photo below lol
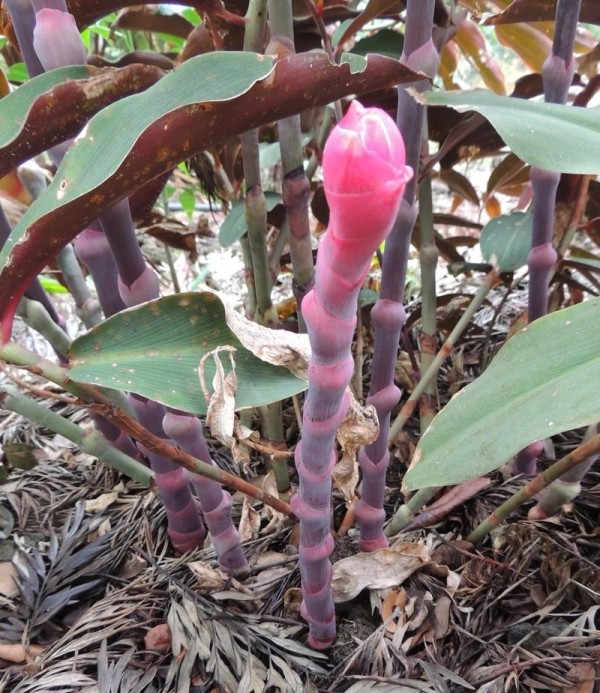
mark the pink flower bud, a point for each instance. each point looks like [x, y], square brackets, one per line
[364, 170]
[56, 39]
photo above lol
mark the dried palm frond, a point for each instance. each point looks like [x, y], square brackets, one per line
[48, 582]
[243, 653]
[119, 677]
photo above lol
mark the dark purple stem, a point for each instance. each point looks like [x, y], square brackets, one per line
[91, 247]
[215, 501]
[557, 74]
[22, 15]
[388, 313]
[186, 530]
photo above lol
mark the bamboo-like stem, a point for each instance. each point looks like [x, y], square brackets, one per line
[250, 303]
[388, 314]
[410, 405]
[23, 21]
[358, 224]
[428, 340]
[295, 184]
[88, 308]
[92, 248]
[272, 428]
[216, 503]
[255, 204]
[324, 128]
[557, 75]
[404, 514]
[92, 442]
[15, 354]
[578, 456]
[265, 312]
[36, 316]
[567, 487]
[34, 291]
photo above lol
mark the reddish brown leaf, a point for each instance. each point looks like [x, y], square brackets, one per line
[61, 112]
[146, 20]
[542, 11]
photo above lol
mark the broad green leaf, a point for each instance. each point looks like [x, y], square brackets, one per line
[542, 382]
[551, 136]
[155, 349]
[234, 226]
[15, 107]
[507, 238]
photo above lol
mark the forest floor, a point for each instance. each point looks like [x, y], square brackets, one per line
[93, 598]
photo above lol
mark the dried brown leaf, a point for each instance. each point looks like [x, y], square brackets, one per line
[16, 652]
[209, 579]
[158, 638]
[377, 570]
[8, 575]
[220, 415]
[249, 526]
[583, 675]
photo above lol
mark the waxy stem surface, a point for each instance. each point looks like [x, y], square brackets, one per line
[364, 174]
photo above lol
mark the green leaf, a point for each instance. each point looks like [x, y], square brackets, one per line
[551, 136]
[234, 226]
[542, 382]
[187, 200]
[385, 42]
[15, 106]
[17, 73]
[507, 238]
[154, 350]
[52, 286]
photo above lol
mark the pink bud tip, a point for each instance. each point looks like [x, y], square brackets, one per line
[56, 39]
[365, 152]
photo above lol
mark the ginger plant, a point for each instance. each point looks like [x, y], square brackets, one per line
[364, 173]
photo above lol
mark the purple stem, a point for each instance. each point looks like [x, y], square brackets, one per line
[215, 501]
[185, 528]
[35, 291]
[388, 313]
[557, 74]
[22, 15]
[91, 247]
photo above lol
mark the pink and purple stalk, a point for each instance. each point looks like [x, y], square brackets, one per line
[364, 175]
[388, 314]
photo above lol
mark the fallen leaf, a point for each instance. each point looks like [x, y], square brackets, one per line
[8, 573]
[359, 428]
[291, 603]
[277, 347]
[17, 653]
[220, 415]
[394, 600]
[158, 638]
[249, 526]
[99, 504]
[209, 579]
[376, 570]
[583, 675]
